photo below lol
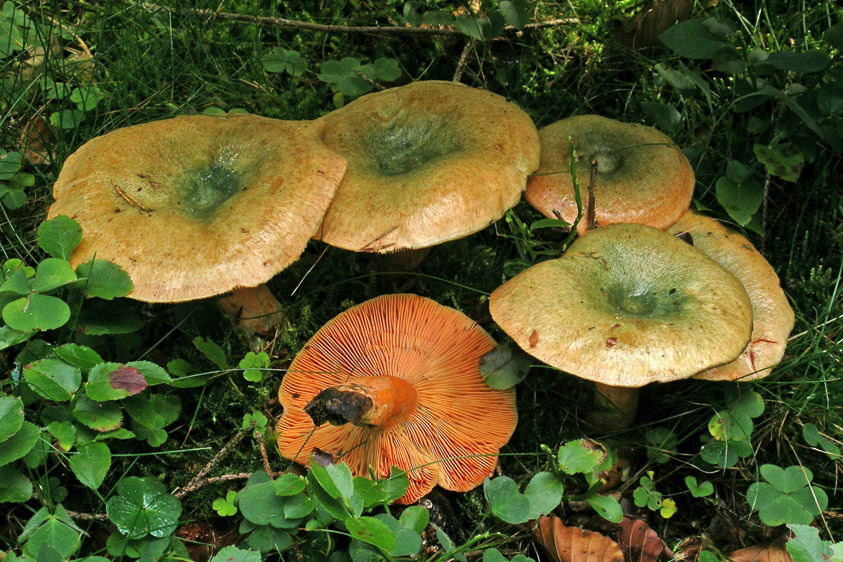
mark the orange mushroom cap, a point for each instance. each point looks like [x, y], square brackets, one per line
[198, 205]
[772, 316]
[449, 424]
[428, 162]
[642, 176]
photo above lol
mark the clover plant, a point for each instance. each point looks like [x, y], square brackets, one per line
[730, 429]
[786, 496]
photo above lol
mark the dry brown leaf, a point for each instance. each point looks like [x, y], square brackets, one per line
[640, 543]
[572, 544]
[36, 135]
[775, 552]
[642, 31]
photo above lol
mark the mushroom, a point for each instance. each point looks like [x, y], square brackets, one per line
[642, 176]
[427, 163]
[197, 206]
[398, 378]
[771, 313]
[625, 306]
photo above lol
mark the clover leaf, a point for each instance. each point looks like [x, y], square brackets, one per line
[143, 507]
[787, 496]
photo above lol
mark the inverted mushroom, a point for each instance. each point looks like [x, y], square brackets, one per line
[197, 206]
[398, 375]
[771, 313]
[427, 163]
[625, 306]
[642, 176]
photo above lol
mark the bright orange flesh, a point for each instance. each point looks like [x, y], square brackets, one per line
[451, 437]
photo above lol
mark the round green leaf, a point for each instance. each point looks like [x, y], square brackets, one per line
[53, 379]
[52, 273]
[371, 530]
[606, 507]
[80, 356]
[36, 312]
[415, 518]
[64, 433]
[143, 507]
[59, 236]
[104, 279]
[544, 493]
[505, 501]
[266, 538]
[504, 368]
[289, 484]
[260, 505]
[16, 283]
[100, 416]
[14, 486]
[11, 416]
[234, 554]
[91, 464]
[154, 374]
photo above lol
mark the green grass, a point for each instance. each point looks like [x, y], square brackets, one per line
[152, 64]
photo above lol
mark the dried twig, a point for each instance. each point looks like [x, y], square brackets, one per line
[374, 29]
[194, 482]
[469, 43]
[212, 480]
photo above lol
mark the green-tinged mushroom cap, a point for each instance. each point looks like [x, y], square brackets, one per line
[627, 305]
[196, 206]
[642, 176]
[427, 163]
[772, 315]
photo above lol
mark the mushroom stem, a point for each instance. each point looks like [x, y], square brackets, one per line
[379, 401]
[252, 310]
[614, 407]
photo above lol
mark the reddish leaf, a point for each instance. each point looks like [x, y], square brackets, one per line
[640, 543]
[572, 544]
[127, 379]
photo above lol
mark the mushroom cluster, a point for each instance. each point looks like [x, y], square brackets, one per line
[629, 304]
[197, 206]
[218, 205]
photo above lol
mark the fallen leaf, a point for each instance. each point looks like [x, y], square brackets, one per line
[572, 544]
[643, 29]
[36, 135]
[775, 552]
[640, 543]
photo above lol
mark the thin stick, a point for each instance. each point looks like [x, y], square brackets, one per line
[212, 480]
[469, 43]
[214, 461]
[371, 82]
[376, 29]
[262, 447]
[590, 211]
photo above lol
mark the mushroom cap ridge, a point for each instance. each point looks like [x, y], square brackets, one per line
[626, 305]
[460, 423]
[427, 163]
[642, 176]
[198, 205]
[772, 315]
